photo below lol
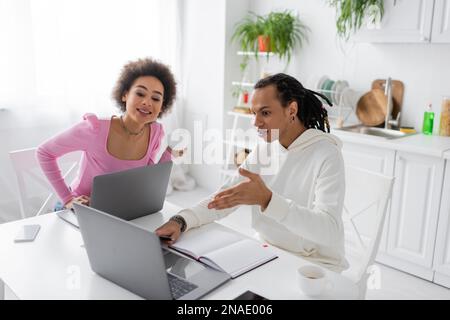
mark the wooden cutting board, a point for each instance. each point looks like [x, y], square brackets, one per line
[398, 89]
[371, 108]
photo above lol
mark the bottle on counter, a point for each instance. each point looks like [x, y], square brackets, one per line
[428, 119]
[444, 125]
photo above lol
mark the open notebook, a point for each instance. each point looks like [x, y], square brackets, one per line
[221, 249]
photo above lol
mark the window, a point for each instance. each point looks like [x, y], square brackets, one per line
[63, 54]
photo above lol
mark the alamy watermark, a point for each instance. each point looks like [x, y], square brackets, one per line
[211, 146]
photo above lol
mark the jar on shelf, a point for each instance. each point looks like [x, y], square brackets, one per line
[245, 97]
[444, 125]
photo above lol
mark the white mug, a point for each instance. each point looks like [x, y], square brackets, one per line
[312, 280]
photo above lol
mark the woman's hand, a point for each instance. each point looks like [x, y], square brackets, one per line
[81, 200]
[170, 229]
[253, 191]
[177, 153]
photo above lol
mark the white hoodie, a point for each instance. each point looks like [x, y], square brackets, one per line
[308, 185]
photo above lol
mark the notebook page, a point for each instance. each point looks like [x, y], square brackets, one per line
[240, 257]
[199, 242]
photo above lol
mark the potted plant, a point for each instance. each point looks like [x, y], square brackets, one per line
[350, 14]
[247, 31]
[284, 31]
[277, 32]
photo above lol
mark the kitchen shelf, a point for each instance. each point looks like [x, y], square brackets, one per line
[235, 141]
[239, 114]
[251, 53]
[243, 84]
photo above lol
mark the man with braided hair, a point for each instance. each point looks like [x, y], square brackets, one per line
[298, 205]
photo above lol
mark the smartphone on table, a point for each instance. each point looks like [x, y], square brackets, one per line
[27, 233]
[250, 295]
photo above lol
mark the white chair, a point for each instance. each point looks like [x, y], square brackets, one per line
[26, 166]
[366, 200]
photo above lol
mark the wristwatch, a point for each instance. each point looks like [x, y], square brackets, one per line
[180, 220]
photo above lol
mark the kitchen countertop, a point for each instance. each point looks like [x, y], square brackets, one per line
[433, 145]
[447, 155]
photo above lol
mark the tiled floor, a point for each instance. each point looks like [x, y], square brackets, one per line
[393, 284]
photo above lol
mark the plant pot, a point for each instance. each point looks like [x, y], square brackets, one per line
[264, 43]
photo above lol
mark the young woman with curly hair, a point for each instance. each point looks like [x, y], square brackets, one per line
[144, 91]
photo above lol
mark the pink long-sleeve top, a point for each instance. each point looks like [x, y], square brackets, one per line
[90, 136]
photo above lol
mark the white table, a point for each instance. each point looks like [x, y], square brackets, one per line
[55, 265]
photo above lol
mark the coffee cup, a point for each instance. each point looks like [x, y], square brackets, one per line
[312, 280]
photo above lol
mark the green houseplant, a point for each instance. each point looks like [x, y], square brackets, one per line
[283, 31]
[277, 32]
[247, 31]
[351, 14]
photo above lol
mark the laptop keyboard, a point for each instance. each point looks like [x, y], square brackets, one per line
[179, 287]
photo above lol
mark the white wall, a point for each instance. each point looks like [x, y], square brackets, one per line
[210, 64]
[203, 74]
[424, 68]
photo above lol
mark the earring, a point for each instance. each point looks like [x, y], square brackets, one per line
[292, 119]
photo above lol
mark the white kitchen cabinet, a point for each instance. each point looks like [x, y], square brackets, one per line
[403, 21]
[441, 22]
[414, 213]
[416, 234]
[374, 159]
[441, 263]
[364, 156]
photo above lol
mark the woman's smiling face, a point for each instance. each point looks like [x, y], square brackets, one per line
[144, 99]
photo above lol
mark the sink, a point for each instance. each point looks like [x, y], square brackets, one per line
[373, 131]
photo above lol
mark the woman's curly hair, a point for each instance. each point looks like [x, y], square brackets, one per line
[142, 68]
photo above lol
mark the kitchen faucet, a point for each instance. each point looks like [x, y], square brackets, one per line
[389, 123]
[388, 93]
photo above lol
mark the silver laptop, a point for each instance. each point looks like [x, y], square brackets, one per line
[132, 193]
[128, 194]
[132, 257]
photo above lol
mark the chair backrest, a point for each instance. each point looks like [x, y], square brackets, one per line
[366, 200]
[27, 168]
